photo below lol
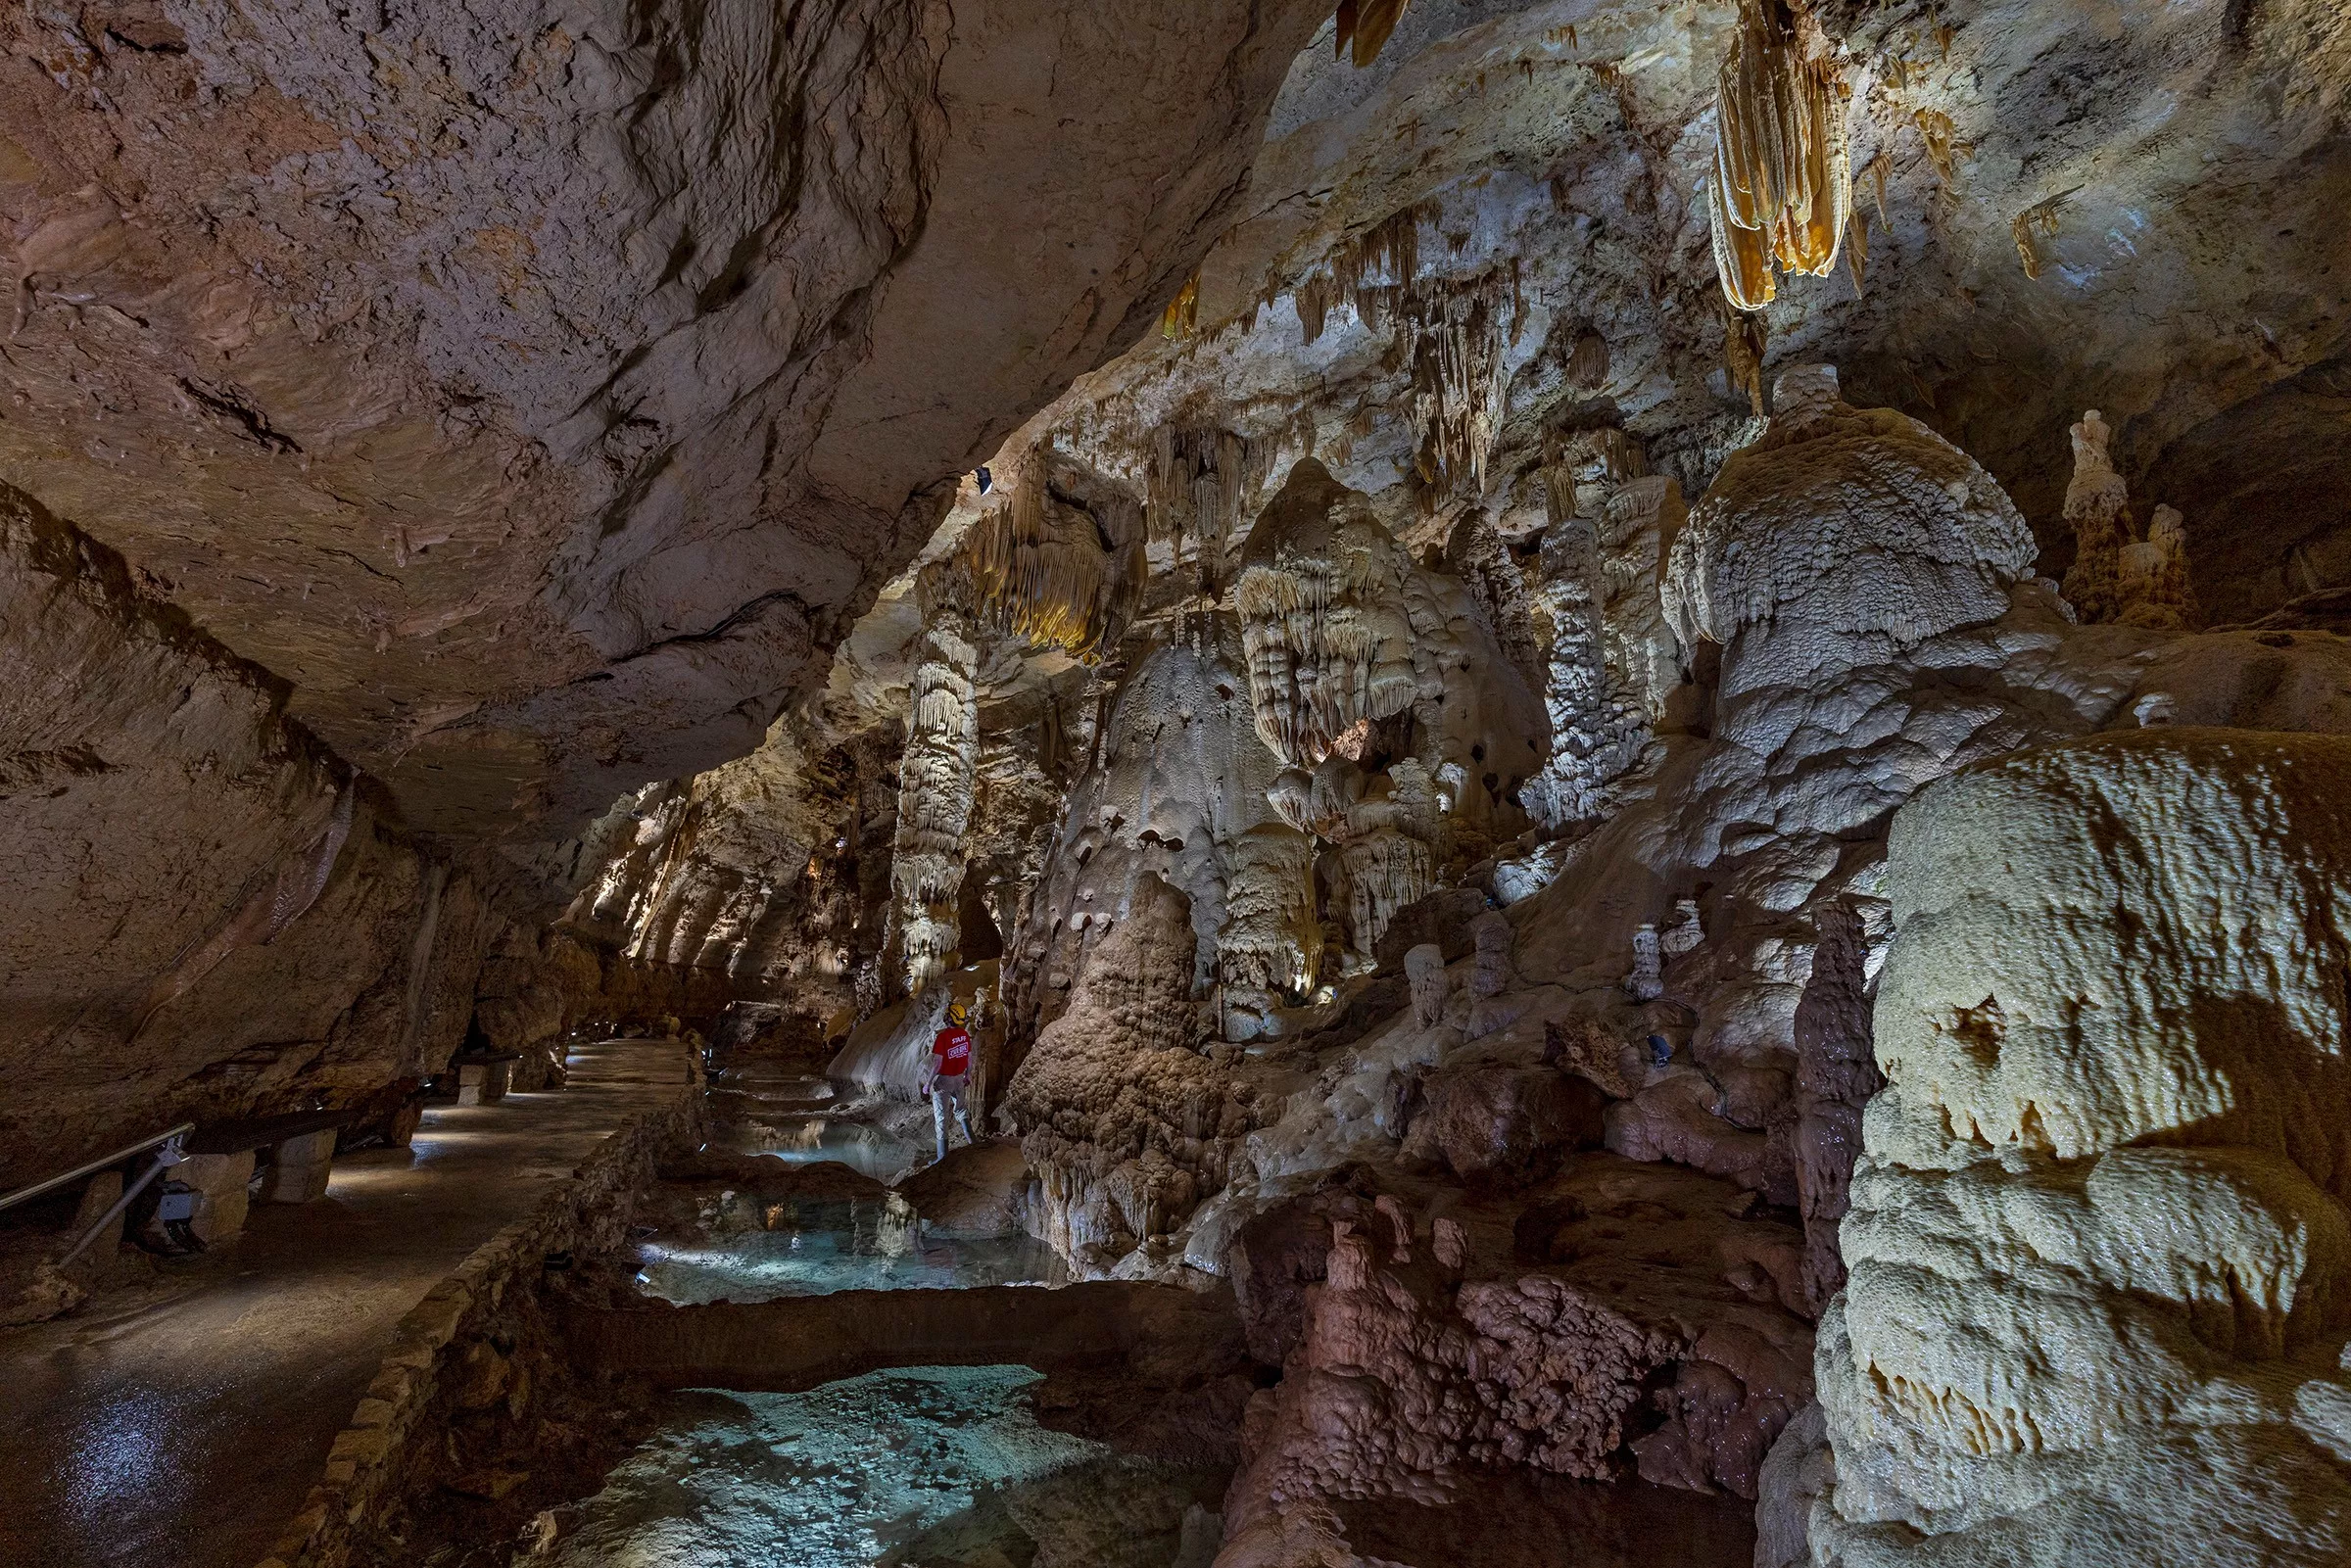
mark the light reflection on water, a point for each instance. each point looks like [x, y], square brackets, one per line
[921, 1465]
[746, 1251]
[800, 1119]
[805, 1140]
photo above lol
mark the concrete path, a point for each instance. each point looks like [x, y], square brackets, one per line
[182, 1424]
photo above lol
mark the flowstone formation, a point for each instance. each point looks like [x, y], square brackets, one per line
[2099, 1253]
[1125, 1124]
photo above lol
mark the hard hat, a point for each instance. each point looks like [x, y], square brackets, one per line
[958, 1013]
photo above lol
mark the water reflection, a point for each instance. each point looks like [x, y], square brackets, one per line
[800, 1119]
[924, 1466]
[804, 1140]
[748, 1249]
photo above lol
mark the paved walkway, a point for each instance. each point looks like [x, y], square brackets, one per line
[182, 1425]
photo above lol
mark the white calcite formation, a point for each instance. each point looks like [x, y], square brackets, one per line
[1321, 599]
[2101, 1267]
[1360, 658]
[1613, 662]
[1180, 792]
[1843, 538]
[935, 780]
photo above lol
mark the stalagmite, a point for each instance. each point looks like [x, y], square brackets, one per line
[1645, 981]
[1781, 185]
[1835, 1076]
[2152, 584]
[1127, 1125]
[1490, 975]
[2096, 504]
[1613, 659]
[1686, 935]
[2114, 576]
[1577, 690]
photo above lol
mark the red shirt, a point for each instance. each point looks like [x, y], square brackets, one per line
[951, 1053]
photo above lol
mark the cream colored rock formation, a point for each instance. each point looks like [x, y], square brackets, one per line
[2097, 1243]
[937, 777]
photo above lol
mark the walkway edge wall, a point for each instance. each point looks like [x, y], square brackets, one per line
[367, 1468]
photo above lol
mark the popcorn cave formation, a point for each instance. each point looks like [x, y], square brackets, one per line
[1244, 784]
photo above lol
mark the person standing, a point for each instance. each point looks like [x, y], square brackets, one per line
[949, 1074]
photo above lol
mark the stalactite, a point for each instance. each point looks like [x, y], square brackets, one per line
[1181, 317]
[1588, 362]
[1783, 179]
[1364, 271]
[1943, 142]
[1039, 570]
[1269, 947]
[1475, 554]
[1363, 27]
[1199, 485]
[1453, 334]
[1383, 871]
[1320, 596]
[2039, 220]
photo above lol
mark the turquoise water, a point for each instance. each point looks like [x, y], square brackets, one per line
[801, 1246]
[922, 1467]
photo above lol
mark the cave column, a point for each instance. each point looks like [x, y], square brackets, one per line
[937, 777]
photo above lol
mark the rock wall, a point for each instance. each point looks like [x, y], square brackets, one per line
[457, 423]
[210, 915]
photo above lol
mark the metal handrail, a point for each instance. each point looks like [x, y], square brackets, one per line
[100, 1164]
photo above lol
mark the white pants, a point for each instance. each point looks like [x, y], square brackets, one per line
[943, 1093]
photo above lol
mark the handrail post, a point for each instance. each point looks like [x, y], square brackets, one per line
[100, 1164]
[166, 1158]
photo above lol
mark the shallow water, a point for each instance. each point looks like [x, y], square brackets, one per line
[799, 1247]
[801, 1140]
[919, 1467]
[800, 1119]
